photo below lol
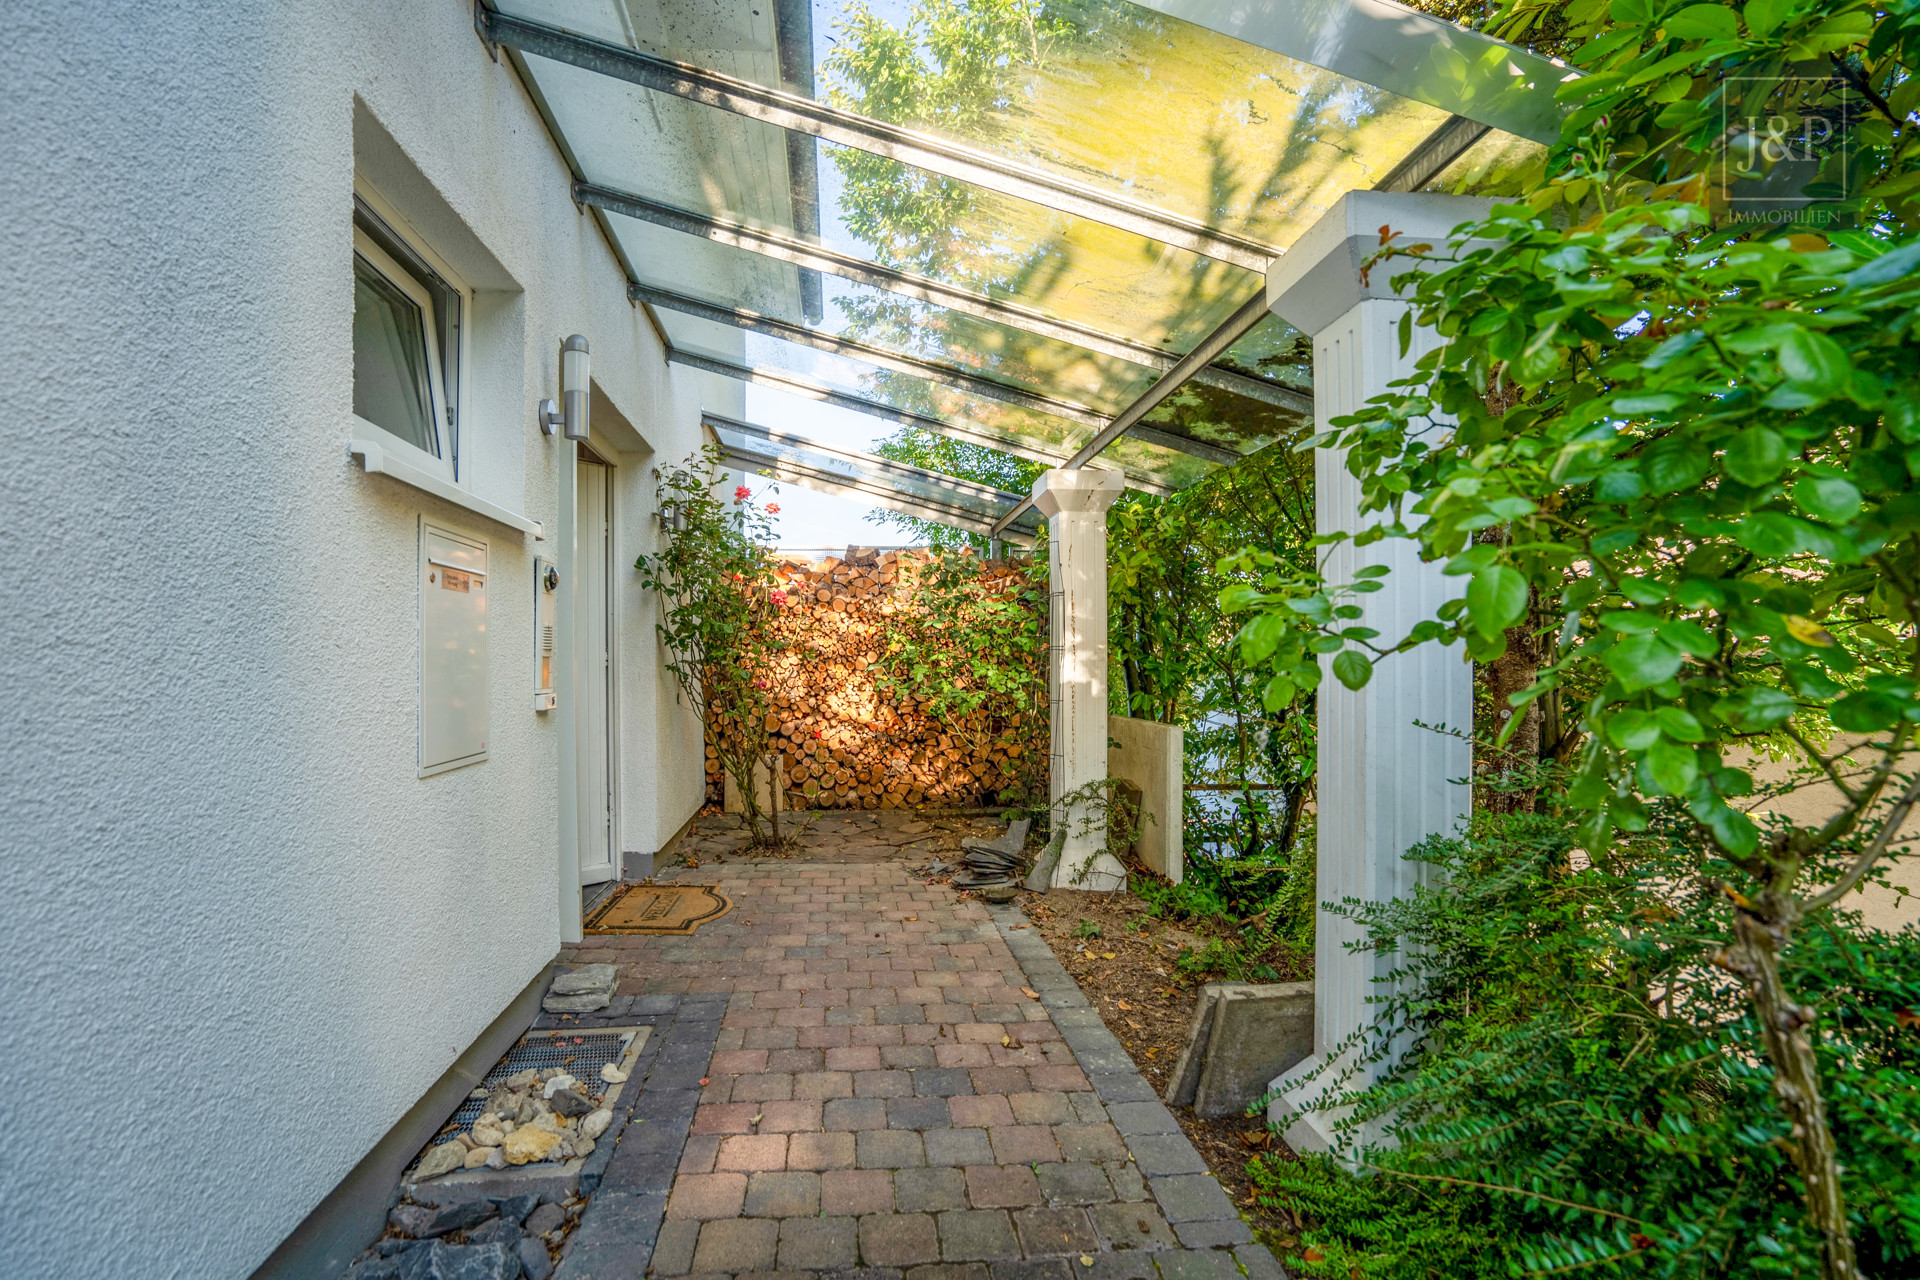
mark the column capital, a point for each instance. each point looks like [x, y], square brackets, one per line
[1317, 280]
[1090, 489]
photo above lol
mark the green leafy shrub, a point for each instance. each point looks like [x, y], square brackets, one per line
[1582, 1088]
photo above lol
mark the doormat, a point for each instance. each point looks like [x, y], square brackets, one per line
[651, 908]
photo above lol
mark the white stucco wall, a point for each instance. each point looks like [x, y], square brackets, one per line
[238, 936]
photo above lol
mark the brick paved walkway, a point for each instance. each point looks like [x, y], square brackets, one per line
[884, 1095]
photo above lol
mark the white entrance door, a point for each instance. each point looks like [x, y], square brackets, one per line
[598, 859]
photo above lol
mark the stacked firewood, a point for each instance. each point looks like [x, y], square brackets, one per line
[846, 740]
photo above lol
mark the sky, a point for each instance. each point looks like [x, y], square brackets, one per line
[807, 518]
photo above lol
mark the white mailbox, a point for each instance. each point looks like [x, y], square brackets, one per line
[453, 649]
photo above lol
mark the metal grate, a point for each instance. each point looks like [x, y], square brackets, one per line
[580, 1054]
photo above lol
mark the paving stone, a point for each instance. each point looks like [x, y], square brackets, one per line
[888, 1149]
[882, 1084]
[1128, 1185]
[1213, 1235]
[898, 1014]
[906, 1057]
[1203, 1264]
[817, 1151]
[790, 1117]
[1043, 1108]
[849, 1115]
[942, 1082]
[854, 1058]
[1023, 1144]
[918, 1113]
[821, 1086]
[948, 1271]
[673, 1248]
[929, 1190]
[1048, 1231]
[1132, 1265]
[898, 1239]
[1192, 1198]
[977, 1235]
[856, 1192]
[773, 1086]
[1161, 1154]
[1258, 1263]
[1009, 1080]
[980, 1111]
[1132, 1226]
[1034, 1269]
[752, 1153]
[1089, 1142]
[959, 1147]
[819, 1244]
[1002, 1186]
[708, 1195]
[1121, 1086]
[742, 1244]
[1087, 1108]
[1074, 1183]
[1132, 1118]
[783, 1195]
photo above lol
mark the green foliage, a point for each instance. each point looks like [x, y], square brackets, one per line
[1583, 1088]
[1695, 436]
[1086, 929]
[954, 458]
[967, 641]
[714, 577]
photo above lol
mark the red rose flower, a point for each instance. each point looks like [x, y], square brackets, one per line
[742, 494]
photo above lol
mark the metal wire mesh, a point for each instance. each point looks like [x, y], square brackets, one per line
[580, 1054]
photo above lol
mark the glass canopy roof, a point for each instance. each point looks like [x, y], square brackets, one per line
[1041, 224]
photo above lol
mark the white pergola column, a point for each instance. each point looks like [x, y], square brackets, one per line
[1075, 504]
[1383, 784]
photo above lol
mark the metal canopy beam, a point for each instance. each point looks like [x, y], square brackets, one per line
[867, 480]
[946, 375]
[923, 151]
[813, 257]
[792, 384]
[1236, 327]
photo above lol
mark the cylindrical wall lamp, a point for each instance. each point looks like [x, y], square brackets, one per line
[575, 385]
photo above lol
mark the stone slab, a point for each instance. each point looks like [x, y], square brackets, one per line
[1243, 1036]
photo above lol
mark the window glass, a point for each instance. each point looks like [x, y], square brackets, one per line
[392, 387]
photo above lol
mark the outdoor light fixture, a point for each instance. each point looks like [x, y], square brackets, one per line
[575, 374]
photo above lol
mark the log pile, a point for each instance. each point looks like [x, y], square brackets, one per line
[844, 741]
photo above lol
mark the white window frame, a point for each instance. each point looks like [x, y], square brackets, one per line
[440, 465]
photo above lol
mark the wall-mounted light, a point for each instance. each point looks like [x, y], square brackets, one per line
[575, 385]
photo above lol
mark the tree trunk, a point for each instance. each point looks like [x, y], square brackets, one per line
[1760, 934]
[1512, 671]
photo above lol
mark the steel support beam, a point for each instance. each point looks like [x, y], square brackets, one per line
[922, 150]
[792, 384]
[1436, 151]
[1235, 327]
[813, 257]
[868, 479]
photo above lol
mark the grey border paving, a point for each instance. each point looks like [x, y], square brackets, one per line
[631, 1169]
[1218, 1243]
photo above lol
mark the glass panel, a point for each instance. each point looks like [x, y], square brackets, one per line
[935, 497]
[390, 387]
[1107, 93]
[995, 420]
[735, 278]
[710, 162]
[1499, 164]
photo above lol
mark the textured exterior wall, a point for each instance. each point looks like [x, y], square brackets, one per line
[228, 908]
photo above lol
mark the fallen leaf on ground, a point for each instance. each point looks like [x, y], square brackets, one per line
[703, 1080]
[1029, 993]
[1005, 1041]
[1123, 1004]
[762, 1116]
[1106, 955]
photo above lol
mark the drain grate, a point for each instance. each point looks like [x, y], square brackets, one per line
[580, 1054]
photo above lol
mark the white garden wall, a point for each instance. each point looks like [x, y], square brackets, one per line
[238, 937]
